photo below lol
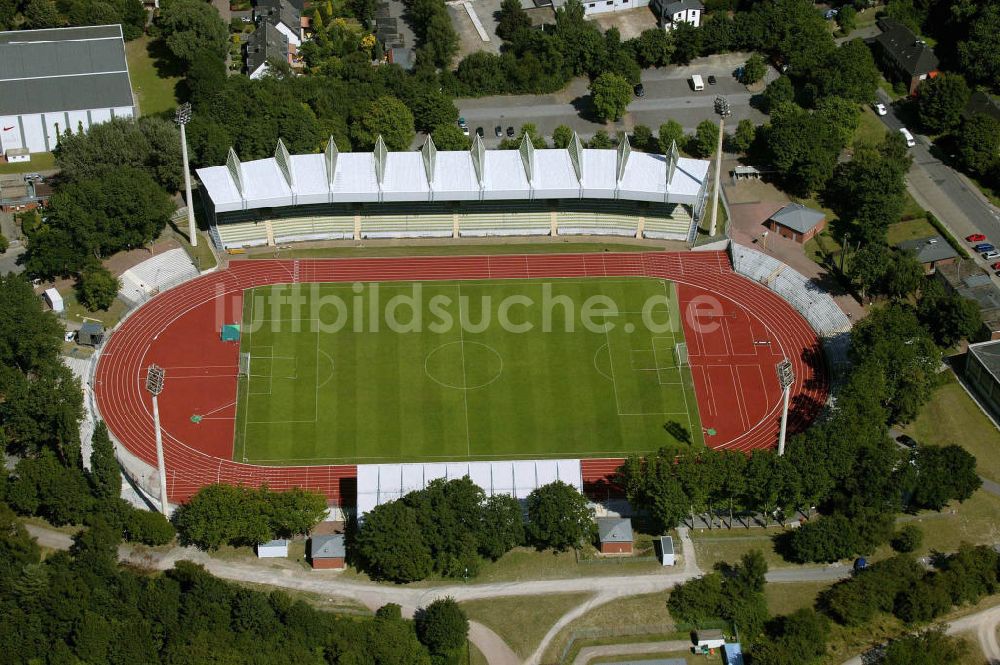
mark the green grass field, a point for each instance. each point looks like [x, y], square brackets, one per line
[328, 386]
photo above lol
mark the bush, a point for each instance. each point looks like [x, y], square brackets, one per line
[442, 626]
[148, 527]
[4, 243]
[907, 539]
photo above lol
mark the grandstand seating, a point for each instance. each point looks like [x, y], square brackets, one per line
[242, 234]
[406, 221]
[669, 222]
[500, 219]
[599, 218]
[313, 228]
[156, 274]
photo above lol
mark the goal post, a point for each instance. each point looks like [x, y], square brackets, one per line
[244, 364]
[681, 354]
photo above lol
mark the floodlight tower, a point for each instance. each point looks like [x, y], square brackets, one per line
[786, 377]
[154, 384]
[718, 183]
[182, 117]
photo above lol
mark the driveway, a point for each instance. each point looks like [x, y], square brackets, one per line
[668, 97]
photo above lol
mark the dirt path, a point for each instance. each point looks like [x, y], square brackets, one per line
[588, 654]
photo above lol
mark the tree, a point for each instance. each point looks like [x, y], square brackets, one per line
[29, 336]
[642, 138]
[754, 69]
[442, 626]
[744, 136]
[979, 54]
[777, 93]
[450, 137]
[4, 243]
[97, 288]
[148, 527]
[105, 476]
[907, 539]
[558, 517]
[390, 545]
[389, 118]
[600, 140]
[979, 145]
[562, 136]
[205, 77]
[512, 19]
[503, 526]
[431, 108]
[697, 600]
[904, 276]
[671, 132]
[653, 48]
[611, 94]
[847, 19]
[40, 14]
[804, 146]
[191, 27]
[943, 474]
[947, 315]
[941, 102]
[706, 137]
[848, 72]
[931, 647]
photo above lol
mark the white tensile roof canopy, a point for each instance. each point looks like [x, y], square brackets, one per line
[476, 174]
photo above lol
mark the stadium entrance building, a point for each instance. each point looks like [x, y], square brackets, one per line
[454, 193]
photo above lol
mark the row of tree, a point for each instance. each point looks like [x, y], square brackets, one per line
[82, 607]
[37, 14]
[451, 527]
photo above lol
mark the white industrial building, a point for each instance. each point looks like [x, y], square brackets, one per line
[460, 193]
[58, 79]
[381, 483]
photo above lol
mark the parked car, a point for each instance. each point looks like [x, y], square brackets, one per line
[879, 108]
[996, 266]
[462, 122]
[510, 132]
[639, 90]
[991, 255]
[465, 129]
[711, 79]
[976, 237]
[479, 132]
[69, 336]
[830, 13]
[908, 137]
[907, 441]
[247, 19]
[498, 130]
[983, 247]
[860, 564]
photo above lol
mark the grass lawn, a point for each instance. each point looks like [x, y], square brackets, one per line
[78, 313]
[446, 250]
[728, 545]
[787, 598]
[156, 91]
[521, 623]
[642, 615]
[952, 417]
[870, 130]
[530, 381]
[40, 161]
[823, 248]
[640, 657]
[910, 229]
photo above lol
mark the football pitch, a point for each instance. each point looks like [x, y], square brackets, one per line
[451, 371]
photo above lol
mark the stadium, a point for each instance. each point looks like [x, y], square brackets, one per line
[365, 378]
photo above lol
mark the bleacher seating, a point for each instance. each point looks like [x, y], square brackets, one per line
[242, 234]
[406, 221]
[155, 274]
[599, 218]
[501, 219]
[669, 222]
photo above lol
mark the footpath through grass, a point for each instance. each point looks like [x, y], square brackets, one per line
[521, 622]
[439, 371]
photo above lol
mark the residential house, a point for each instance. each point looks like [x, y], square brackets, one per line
[903, 56]
[930, 252]
[284, 15]
[614, 535]
[265, 43]
[673, 12]
[797, 222]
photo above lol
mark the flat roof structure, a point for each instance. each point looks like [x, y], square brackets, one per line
[437, 175]
[63, 69]
[328, 547]
[988, 353]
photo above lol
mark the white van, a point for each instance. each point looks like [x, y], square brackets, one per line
[910, 142]
[697, 83]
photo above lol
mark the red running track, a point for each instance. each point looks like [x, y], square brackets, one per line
[736, 331]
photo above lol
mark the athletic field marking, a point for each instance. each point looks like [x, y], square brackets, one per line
[246, 411]
[599, 370]
[464, 379]
[465, 393]
[333, 368]
[687, 407]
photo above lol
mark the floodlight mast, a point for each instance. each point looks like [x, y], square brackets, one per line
[786, 377]
[154, 384]
[182, 117]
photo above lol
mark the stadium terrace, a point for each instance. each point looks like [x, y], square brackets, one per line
[477, 192]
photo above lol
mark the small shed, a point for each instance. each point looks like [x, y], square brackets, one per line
[55, 301]
[91, 334]
[273, 549]
[711, 638]
[327, 552]
[797, 222]
[732, 653]
[667, 556]
[930, 252]
[18, 155]
[615, 535]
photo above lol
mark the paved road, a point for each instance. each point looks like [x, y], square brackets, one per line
[942, 190]
[668, 97]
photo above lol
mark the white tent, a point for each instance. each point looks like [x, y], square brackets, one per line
[55, 301]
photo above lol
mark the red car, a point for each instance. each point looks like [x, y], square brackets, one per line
[996, 266]
[976, 237]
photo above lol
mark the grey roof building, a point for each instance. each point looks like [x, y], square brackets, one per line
[285, 15]
[265, 42]
[614, 529]
[929, 250]
[798, 217]
[328, 547]
[899, 49]
[73, 77]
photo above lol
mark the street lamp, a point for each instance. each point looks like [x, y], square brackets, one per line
[154, 384]
[182, 117]
[786, 377]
